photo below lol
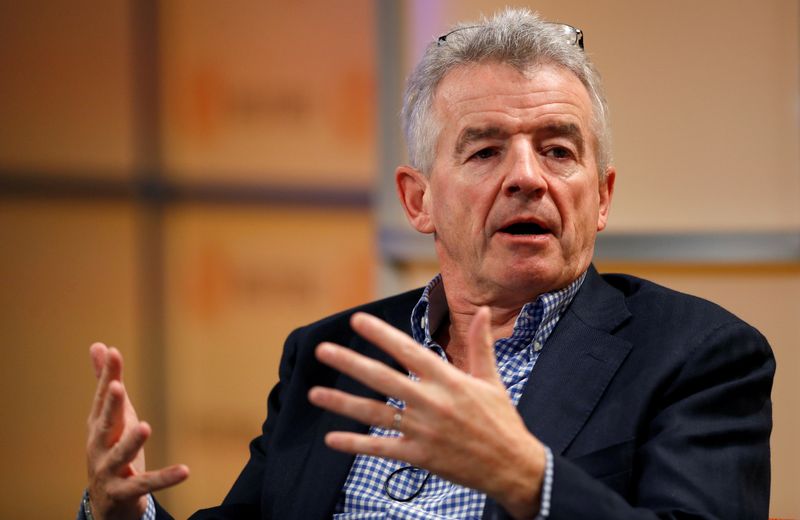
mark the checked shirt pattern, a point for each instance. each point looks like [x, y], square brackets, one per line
[364, 497]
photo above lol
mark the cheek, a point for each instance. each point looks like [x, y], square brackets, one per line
[465, 206]
[579, 211]
[449, 217]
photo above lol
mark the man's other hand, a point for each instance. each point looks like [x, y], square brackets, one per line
[118, 482]
[459, 425]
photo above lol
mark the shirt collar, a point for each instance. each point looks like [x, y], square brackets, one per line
[431, 309]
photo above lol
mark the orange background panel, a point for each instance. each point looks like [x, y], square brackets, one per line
[286, 88]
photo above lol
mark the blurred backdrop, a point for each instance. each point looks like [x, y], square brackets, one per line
[189, 180]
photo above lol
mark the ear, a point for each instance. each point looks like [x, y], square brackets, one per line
[413, 190]
[606, 192]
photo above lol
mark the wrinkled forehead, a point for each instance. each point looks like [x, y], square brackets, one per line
[486, 90]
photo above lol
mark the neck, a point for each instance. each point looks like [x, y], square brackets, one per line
[452, 334]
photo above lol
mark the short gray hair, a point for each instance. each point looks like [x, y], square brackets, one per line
[517, 37]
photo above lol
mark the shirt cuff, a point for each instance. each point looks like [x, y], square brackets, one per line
[547, 485]
[150, 511]
[86, 512]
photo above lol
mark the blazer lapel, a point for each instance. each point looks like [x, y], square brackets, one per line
[576, 365]
[578, 361]
[324, 478]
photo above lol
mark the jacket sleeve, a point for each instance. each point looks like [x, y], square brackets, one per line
[704, 452]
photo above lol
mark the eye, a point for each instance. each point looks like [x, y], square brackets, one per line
[484, 153]
[559, 152]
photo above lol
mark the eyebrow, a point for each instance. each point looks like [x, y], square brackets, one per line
[570, 131]
[472, 134]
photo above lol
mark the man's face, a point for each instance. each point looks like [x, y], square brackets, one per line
[513, 196]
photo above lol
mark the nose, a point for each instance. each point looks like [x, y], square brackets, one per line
[525, 175]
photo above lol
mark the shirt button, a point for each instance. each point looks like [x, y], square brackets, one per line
[424, 322]
[537, 346]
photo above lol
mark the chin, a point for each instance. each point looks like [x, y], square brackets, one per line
[534, 281]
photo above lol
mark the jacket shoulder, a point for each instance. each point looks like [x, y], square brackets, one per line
[395, 310]
[655, 307]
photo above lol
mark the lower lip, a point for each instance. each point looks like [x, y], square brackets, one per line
[532, 240]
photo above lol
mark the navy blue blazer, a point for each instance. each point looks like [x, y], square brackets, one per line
[655, 404]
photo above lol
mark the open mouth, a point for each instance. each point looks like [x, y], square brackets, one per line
[525, 228]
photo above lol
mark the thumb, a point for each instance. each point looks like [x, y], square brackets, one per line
[480, 347]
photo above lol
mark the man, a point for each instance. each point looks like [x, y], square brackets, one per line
[519, 383]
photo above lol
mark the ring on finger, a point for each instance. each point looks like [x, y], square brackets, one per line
[397, 420]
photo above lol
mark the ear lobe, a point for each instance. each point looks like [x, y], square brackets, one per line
[606, 191]
[412, 188]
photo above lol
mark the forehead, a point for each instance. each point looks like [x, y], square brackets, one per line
[498, 94]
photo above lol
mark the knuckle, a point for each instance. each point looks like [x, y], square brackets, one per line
[453, 378]
[445, 409]
[436, 437]
[113, 460]
[114, 493]
[383, 377]
[139, 486]
[376, 416]
[407, 349]
[424, 457]
[118, 456]
[101, 468]
[423, 430]
[377, 447]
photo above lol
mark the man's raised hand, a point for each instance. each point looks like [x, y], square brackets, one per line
[118, 482]
[460, 426]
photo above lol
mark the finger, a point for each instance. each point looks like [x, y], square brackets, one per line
[147, 482]
[399, 345]
[480, 347]
[363, 410]
[97, 353]
[125, 451]
[164, 478]
[111, 371]
[387, 447]
[370, 372]
[112, 419]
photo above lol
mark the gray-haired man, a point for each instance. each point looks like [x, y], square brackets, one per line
[519, 383]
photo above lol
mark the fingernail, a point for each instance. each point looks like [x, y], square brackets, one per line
[360, 317]
[326, 349]
[180, 471]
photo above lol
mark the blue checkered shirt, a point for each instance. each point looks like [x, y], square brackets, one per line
[149, 512]
[363, 495]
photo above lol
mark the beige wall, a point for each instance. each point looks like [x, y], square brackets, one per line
[264, 97]
[68, 274]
